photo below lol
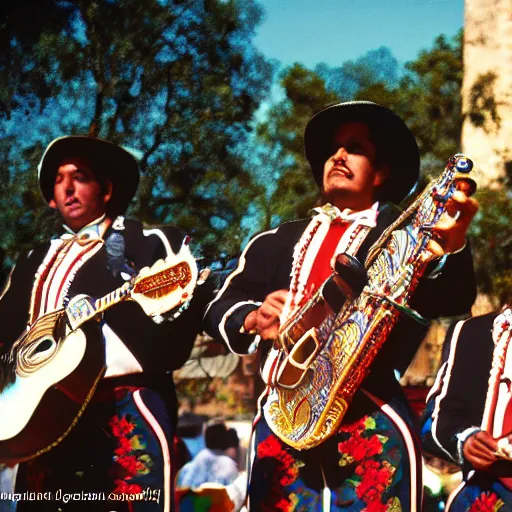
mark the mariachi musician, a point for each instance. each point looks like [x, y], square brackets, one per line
[471, 422]
[122, 443]
[364, 159]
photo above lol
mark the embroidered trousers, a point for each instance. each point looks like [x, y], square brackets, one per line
[480, 494]
[116, 459]
[373, 464]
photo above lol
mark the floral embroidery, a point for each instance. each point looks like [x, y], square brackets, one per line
[123, 487]
[130, 461]
[120, 427]
[278, 470]
[487, 502]
[372, 476]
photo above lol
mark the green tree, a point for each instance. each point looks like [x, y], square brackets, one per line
[294, 191]
[428, 97]
[176, 80]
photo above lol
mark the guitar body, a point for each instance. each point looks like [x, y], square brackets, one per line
[52, 374]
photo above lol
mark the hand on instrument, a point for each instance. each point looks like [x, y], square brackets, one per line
[450, 230]
[265, 320]
[480, 450]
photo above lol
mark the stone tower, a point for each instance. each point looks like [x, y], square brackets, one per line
[487, 88]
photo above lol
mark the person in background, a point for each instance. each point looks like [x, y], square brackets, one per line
[233, 445]
[211, 464]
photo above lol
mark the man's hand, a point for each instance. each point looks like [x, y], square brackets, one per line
[480, 450]
[265, 319]
[450, 231]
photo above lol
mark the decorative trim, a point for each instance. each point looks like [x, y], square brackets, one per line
[40, 276]
[160, 234]
[411, 449]
[494, 410]
[444, 390]
[239, 269]
[306, 250]
[160, 434]
[225, 317]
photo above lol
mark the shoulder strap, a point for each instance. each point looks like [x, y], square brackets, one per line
[115, 246]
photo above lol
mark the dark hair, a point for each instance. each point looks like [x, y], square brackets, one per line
[232, 439]
[215, 436]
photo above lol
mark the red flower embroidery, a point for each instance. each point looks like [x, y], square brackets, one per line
[124, 447]
[360, 448]
[279, 471]
[374, 483]
[124, 487]
[376, 506]
[283, 505]
[286, 472]
[131, 464]
[486, 502]
[270, 447]
[120, 427]
[375, 477]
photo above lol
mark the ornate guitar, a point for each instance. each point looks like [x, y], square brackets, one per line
[51, 372]
[319, 368]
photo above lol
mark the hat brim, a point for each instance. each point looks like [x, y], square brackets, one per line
[394, 141]
[107, 160]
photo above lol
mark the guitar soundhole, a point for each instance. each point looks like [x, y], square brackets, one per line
[43, 346]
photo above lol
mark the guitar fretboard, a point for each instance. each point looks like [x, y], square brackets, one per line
[83, 309]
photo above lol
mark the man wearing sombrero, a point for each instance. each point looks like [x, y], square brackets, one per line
[363, 158]
[121, 443]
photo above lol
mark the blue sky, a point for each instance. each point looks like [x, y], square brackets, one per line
[333, 31]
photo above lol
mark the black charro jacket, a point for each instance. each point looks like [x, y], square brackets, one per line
[457, 400]
[266, 265]
[158, 348]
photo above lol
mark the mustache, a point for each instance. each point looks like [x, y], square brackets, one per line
[340, 165]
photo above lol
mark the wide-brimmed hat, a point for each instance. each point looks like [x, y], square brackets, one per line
[107, 160]
[396, 145]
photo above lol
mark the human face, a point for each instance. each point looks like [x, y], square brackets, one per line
[77, 195]
[350, 173]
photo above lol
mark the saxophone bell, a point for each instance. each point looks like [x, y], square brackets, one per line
[299, 337]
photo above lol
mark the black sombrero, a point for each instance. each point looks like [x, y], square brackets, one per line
[395, 142]
[107, 160]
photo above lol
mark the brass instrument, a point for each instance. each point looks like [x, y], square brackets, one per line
[319, 369]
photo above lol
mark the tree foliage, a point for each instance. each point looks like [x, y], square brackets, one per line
[176, 81]
[426, 94]
[179, 82]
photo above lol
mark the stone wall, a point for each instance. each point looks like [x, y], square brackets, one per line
[487, 87]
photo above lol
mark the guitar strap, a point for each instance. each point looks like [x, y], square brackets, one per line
[115, 245]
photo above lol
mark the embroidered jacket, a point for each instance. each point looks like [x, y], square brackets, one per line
[138, 350]
[266, 264]
[457, 401]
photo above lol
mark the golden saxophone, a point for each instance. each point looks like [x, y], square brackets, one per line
[321, 366]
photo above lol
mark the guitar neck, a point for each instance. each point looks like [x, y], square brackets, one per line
[83, 308]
